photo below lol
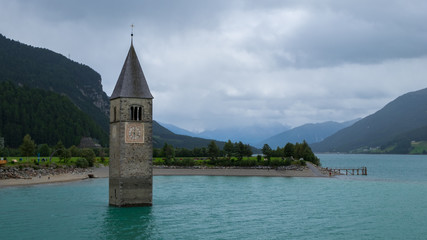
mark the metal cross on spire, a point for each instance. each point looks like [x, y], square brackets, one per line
[131, 34]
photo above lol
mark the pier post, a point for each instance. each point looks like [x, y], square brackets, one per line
[348, 171]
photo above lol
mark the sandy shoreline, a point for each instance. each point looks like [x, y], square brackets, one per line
[102, 172]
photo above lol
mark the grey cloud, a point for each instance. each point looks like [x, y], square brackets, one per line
[239, 63]
[340, 32]
[334, 32]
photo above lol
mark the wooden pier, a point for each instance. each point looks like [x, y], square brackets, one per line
[348, 171]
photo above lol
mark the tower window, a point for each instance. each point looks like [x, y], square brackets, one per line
[115, 114]
[136, 113]
[131, 113]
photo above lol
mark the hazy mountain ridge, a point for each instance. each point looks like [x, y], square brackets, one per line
[177, 130]
[162, 135]
[395, 125]
[248, 135]
[311, 133]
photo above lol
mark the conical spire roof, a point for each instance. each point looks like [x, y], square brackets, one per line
[131, 82]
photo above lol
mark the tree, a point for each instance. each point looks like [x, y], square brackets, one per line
[240, 150]
[65, 155]
[89, 155]
[82, 163]
[59, 148]
[183, 152]
[213, 150]
[228, 149]
[75, 151]
[28, 146]
[44, 150]
[278, 152]
[266, 150]
[303, 150]
[168, 151]
[289, 150]
[156, 152]
[247, 150]
[102, 154]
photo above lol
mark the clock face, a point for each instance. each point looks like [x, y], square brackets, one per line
[134, 133]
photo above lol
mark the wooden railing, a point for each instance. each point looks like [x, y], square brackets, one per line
[349, 171]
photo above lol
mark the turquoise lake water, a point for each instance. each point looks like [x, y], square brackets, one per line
[389, 203]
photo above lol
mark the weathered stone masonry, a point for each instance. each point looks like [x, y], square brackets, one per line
[131, 148]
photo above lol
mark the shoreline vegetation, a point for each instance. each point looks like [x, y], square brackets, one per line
[235, 159]
[29, 176]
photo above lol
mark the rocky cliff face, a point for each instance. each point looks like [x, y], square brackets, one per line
[97, 96]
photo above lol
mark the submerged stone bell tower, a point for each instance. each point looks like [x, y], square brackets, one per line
[131, 148]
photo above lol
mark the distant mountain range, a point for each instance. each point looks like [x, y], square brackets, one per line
[177, 130]
[162, 135]
[248, 135]
[311, 133]
[390, 130]
[258, 136]
[396, 128]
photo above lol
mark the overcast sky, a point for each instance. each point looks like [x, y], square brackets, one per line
[214, 64]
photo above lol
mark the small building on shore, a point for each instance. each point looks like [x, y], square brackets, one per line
[88, 142]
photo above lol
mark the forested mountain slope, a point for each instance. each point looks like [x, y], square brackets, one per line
[399, 122]
[41, 68]
[48, 117]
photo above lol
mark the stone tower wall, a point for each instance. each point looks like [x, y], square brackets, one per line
[130, 163]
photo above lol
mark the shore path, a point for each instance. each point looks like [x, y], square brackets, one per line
[315, 170]
[103, 172]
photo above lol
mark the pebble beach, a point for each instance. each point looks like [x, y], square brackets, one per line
[14, 176]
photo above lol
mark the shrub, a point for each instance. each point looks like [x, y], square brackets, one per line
[276, 162]
[259, 158]
[82, 163]
[248, 163]
[89, 155]
[188, 162]
[158, 161]
[169, 161]
[288, 162]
